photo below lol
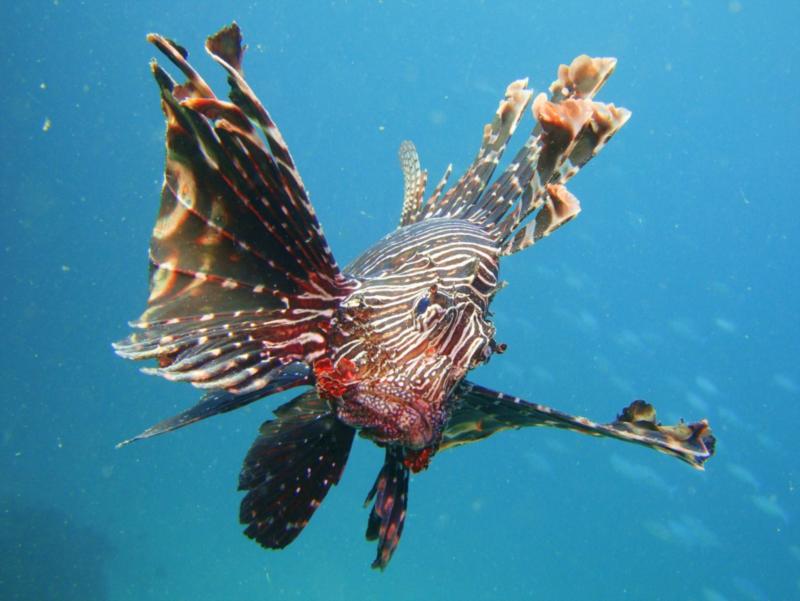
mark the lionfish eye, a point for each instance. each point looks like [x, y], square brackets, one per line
[422, 305]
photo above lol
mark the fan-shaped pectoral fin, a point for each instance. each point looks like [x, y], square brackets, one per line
[242, 280]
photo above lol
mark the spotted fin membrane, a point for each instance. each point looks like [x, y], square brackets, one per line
[289, 469]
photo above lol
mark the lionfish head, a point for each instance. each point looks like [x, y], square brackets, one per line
[399, 357]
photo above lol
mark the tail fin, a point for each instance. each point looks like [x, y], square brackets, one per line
[242, 280]
[388, 514]
[571, 130]
[290, 468]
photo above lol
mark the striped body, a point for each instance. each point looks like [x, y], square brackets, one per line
[414, 326]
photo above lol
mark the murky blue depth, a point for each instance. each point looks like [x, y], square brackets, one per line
[677, 284]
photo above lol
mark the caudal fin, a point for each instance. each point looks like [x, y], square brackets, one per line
[289, 469]
[242, 281]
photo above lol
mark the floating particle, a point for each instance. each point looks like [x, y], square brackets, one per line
[706, 385]
[743, 474]
[725, 325]
[770, 506]
[786, 383]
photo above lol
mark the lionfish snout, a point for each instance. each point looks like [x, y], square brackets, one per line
[398, 408]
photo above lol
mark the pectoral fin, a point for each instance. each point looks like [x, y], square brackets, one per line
[221, 401]
[480, 412]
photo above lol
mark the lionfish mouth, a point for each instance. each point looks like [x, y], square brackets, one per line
[424, 434]
[390, 415]
[390, 411]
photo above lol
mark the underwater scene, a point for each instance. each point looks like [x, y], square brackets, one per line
[433, 386]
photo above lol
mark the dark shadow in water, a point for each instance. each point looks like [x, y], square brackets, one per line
[45, 555]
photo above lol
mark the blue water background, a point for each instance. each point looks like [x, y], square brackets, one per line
[677, 283]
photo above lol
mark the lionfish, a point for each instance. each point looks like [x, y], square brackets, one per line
[246, 299]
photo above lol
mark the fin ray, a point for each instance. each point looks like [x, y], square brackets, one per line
[221, 401]
[481, 412]
[529, 200]
[414, 181]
